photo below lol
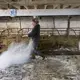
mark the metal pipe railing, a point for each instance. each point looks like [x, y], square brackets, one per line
[73, 31]
[51, 30]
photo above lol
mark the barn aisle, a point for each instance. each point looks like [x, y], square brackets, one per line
[52, 68]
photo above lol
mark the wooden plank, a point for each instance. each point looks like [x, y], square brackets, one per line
[65, 52]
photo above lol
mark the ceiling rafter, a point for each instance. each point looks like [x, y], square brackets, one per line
[39, 4]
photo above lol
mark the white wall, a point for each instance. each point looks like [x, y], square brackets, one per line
[26, 22]
[61, 22]
[15, 22]
[3, 25]
[45, 22]
[75, 22]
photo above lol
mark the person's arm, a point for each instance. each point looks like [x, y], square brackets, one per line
[32, 33]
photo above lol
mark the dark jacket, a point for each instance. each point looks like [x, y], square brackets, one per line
[35, 33]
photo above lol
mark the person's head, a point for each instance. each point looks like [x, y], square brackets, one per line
[35, 21]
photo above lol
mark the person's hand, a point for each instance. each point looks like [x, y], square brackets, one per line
[27, 35]
[29, 31]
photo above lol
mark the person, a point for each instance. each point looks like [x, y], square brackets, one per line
[35, 35]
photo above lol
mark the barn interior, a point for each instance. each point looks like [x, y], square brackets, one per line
[56, 17]
[59, 37]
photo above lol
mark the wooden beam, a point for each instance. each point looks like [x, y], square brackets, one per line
[26, 7]
[75, 6]
[45, 6]
[65, 52]
[67, 6]
[68, 26]
[55, 6]
[42, 12]
[35, 6]
[13, 4]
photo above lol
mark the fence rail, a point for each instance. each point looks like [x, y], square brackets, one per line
[43, 31]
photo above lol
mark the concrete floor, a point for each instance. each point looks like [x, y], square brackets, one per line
[52, 68]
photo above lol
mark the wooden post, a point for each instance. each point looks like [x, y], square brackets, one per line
[79, 45]
[7, 32]
[20, 22]
[18, 35]
[53, 25]
[68, 26]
